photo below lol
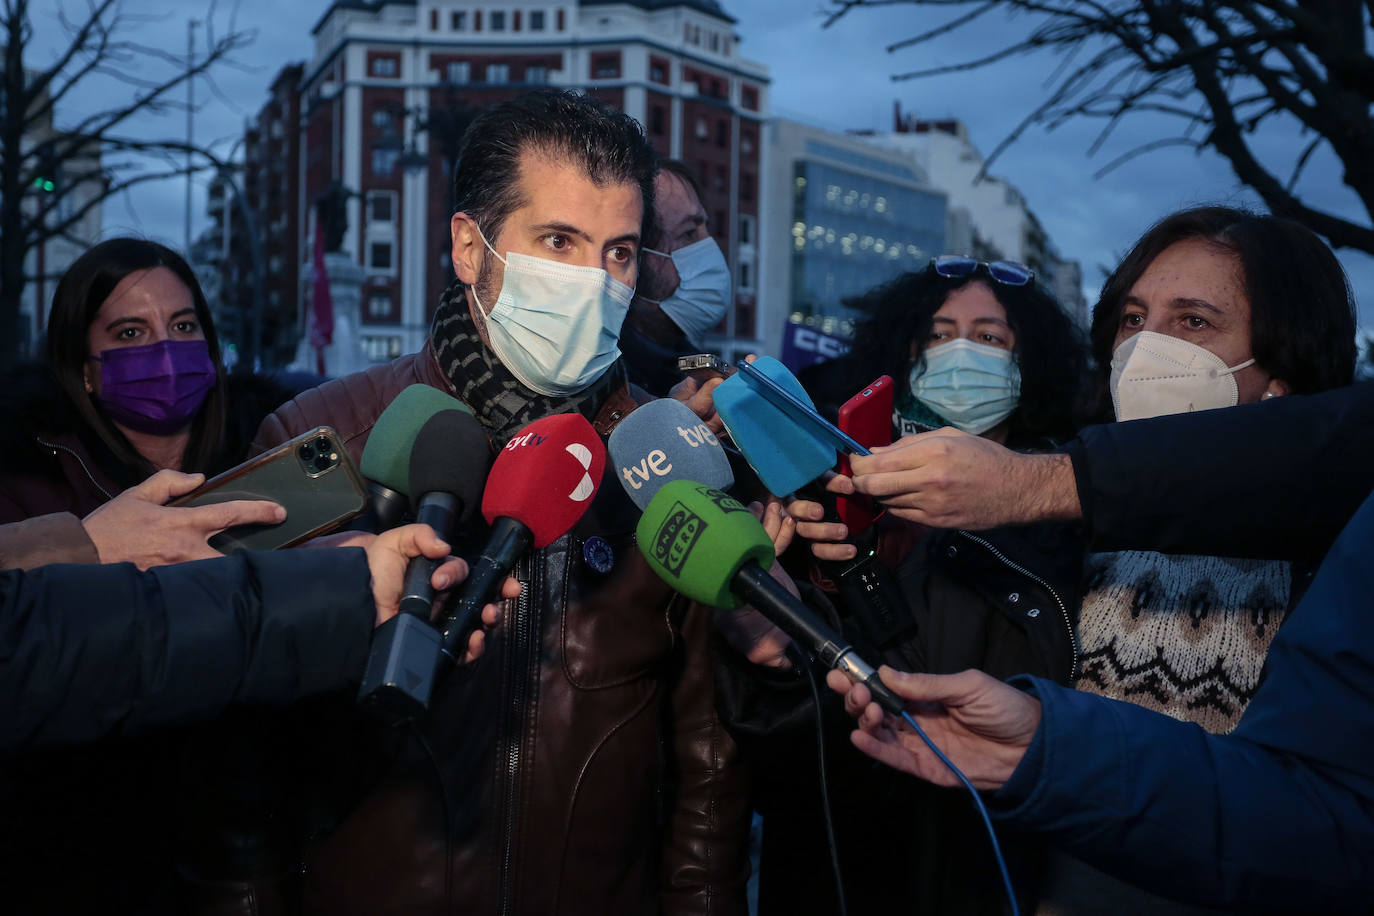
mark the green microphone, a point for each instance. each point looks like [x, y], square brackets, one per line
[709, 547]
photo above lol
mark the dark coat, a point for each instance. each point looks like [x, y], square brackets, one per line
[1003, 601]
[578, 766]
[99, 653]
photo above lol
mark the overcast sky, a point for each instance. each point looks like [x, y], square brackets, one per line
[838, 78]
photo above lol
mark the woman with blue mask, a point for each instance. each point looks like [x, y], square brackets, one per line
[985, 349]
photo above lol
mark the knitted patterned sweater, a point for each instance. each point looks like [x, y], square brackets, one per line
[1184, 635]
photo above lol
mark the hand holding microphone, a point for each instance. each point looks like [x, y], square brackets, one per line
[446, 468]
[540, 485]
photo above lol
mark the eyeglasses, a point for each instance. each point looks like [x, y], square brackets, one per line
[957, 267]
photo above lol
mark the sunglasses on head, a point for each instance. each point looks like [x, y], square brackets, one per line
[957, 267]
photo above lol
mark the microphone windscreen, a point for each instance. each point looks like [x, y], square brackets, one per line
[450, 456]
[386, 456]
[662, 441]
[696, 539]
[546, 476]
[785, 453]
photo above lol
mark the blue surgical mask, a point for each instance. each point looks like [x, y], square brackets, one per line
[555, 326]
[971, 385]
[703, 291]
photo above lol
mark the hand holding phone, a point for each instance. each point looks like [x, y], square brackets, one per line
[312, 476]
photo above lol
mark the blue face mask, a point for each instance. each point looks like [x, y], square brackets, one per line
[556, 326]
[971, 385]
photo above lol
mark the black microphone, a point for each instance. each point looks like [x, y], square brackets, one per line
[447, 469]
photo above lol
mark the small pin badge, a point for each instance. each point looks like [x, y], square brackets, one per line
[598, 554]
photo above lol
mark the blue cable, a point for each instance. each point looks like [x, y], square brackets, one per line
[977, 803]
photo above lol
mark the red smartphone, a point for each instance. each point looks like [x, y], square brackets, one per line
[867, 417]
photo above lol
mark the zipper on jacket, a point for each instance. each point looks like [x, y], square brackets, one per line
[522, 655]
[89, 476]
[1063, 611]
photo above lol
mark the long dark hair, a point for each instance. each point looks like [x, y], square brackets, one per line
[80, 293]
[1050, 350]
[1302, 315]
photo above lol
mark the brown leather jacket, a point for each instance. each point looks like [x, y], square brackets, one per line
[583, 765]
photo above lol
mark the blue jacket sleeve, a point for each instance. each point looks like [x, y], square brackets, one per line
[1274, 480]
[91, 651]
[1277, 815]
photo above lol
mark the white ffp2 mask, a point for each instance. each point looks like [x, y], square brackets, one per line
[1154, 375]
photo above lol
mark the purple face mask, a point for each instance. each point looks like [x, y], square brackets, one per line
[156, 388]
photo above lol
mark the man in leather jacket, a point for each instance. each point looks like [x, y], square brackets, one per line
[579, 766]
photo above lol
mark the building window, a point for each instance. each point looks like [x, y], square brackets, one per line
[515, 21]
[702, 130]
[498, 73]
[722, 133]
[560, 22]
[459, 71]
[536, 74]
[722, 179]
[381, 206]
[380, 348]
[657, 120]
[434, 20]
[498, 20]
[746, 229]
[458, 20]
[658, 70]
[746, 142]
[749, 97]
[379, 256]
[746, 187]
[606, 66]
[384, 161]
[381, 119]
[746, 277]
[715, 41]
[477, 20]
[387, 67]
[536, 20]
[379, 305]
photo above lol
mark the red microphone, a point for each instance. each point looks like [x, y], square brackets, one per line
[543, 481]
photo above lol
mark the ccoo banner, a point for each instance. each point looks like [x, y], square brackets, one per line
[804, 346]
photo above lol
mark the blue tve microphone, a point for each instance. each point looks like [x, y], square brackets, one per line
[662, 441]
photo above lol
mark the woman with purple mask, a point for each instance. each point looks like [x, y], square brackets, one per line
[133, 384]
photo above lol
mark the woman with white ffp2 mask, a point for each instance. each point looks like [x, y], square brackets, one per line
[1213, 307]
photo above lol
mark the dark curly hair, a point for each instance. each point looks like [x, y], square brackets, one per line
[1302, 314]
[1050, 349]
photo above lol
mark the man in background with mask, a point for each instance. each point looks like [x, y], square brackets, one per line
[540, 785]
[684, 283]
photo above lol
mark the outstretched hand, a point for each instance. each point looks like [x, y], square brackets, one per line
[136, 527]
[749, 632]
[950, 479]
[983, 725]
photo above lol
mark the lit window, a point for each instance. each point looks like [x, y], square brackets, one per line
[379, 305]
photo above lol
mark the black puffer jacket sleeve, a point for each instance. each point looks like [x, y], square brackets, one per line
[1274, 480]
[89, 651]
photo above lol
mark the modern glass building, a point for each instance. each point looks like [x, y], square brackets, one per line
[856, 216]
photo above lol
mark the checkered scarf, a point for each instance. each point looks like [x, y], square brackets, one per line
[503, 406]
